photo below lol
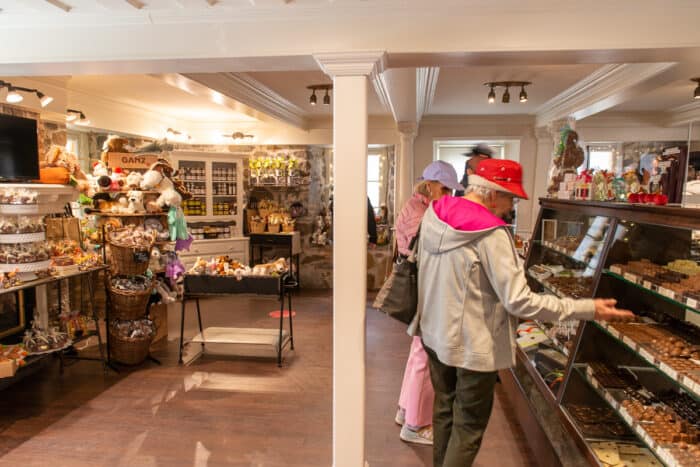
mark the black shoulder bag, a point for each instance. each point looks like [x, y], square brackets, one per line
[398, 296]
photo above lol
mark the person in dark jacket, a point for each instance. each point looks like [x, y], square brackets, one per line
[371, 224]
[479, 153]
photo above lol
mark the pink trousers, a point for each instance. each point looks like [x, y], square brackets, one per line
[417, 391]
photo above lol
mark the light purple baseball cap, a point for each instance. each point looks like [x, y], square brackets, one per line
[441, 171]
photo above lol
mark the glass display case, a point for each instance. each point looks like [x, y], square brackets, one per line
[620, 390]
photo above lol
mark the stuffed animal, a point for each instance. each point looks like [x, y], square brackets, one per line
[58, 157]
[135, 199]
[154, 263]
[133, 180]
[100, 177]
[113, 144]
[266, 269]
[160, 177]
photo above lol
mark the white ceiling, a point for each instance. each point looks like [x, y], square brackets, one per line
[461, 91]
[292, 86]
[666, 98]
[154, 95]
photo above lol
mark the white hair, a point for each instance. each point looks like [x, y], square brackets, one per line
[481, 191]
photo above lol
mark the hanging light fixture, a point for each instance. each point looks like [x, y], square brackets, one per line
[696, 93]
[492, 95]
[506, 95]
[313, 100]
[13, 95]
[523, 94]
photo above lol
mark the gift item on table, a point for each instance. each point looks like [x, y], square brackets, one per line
[37, 340]
[602, 185]
[23, 253]
[74, 324]
[155, 226]
[21, 224]
[18, 196]
[583, 184]
[132, 237]
[9, 279]
[11, 358]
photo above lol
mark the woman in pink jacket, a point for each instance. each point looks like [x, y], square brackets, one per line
[416, 400]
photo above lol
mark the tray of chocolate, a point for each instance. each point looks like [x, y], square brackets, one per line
[599, 422]
[672, 348]
[611, 377]
[575, 287]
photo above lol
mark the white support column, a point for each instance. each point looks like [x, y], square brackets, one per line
[350, 82]
[404, 164]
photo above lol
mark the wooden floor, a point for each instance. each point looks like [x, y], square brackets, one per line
[216, 412]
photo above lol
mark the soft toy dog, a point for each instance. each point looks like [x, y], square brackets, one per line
[133, 180]
[159, 177]
[276, 267]
[113, 143]
[135, 199]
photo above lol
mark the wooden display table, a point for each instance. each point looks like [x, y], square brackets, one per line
[197, 287]
[289, 240]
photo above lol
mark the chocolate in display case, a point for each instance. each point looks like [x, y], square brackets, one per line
[625, 388]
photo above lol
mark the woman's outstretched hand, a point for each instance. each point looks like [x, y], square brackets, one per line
[605, 311]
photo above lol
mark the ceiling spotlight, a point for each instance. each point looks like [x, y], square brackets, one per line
[506, 96]
[13, 96]
[313, 100]
[696, 93]
[492, 95]
[44, 100]
[236, 135]
[523, 94]
[77, 117]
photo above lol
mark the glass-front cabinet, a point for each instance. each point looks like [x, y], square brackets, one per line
[622, 393]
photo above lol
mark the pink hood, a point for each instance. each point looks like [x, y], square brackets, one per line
[465, 215]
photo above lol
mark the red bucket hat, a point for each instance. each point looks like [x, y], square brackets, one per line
[500, 175]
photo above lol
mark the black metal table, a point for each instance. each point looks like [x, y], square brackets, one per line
[203, 286]
[273, 240]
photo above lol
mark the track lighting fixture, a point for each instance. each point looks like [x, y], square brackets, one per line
[320, 87]
[506, 95]
[177, 135]
[76, 117]
[13, 96]
[237, 135]
[696, 93]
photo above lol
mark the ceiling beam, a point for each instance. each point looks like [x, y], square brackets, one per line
[607, 87]
[242, 93]
[683, 115]
[59, 4]
[426, 83]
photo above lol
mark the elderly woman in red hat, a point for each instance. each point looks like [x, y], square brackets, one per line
[471, 292]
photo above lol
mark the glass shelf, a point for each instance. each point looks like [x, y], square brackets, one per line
[688, 385]
[638, 429]
[665, 294]
[569, 254]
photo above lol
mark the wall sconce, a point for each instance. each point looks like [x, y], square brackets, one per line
[522, 97]
[13, 96]
[76, 117]
[237, 135]
[320, 87]
[696, 93]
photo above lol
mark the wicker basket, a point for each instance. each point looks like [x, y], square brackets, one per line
[264, 213]
[123, 259]
[288, 227]
[127, 304]
[273, 228]
[257, 226]
[129, 350]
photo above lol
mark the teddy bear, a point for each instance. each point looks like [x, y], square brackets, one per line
[57, 156]
[113, 143]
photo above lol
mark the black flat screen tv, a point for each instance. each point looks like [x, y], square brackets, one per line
[19, 149]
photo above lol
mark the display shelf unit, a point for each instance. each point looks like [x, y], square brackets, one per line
[619, 236]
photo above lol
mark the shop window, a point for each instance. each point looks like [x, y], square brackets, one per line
[374, 179]
[600, 160]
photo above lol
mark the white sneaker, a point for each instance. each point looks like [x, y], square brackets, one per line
[422, 436]
[400, 418]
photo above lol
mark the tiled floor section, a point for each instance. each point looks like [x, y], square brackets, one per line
[221, 412]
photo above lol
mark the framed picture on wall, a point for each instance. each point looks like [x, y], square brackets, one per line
[11, 313]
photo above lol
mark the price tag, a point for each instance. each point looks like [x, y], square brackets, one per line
[630, 342]
[630, 277]
[142, 256]
[668, 370]
[644, 353]
[667, 293]
[691, 302]
[615, 269]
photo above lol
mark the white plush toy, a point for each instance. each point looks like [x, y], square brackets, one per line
[154, 263]
[121, 206]
[135, 199]
[159, 178]
[133, 180]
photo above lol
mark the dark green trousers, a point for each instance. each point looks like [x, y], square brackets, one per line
[463, 402]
